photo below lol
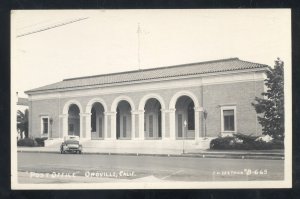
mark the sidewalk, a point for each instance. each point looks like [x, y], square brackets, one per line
[197, 153]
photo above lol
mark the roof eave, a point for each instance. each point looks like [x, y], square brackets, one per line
[30, 92]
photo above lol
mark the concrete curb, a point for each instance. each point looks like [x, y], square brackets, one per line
[267, 156]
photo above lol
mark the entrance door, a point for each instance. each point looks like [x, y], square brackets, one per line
[151, 126]
[100, 128]
[124, 127]
[180, 125]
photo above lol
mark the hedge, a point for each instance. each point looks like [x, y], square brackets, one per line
[41, 141]
[244, 142]
[27, 142]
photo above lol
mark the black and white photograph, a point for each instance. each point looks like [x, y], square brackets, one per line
[151, 99]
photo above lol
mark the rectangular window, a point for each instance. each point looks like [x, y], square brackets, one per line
[228, 120]
[45, 125]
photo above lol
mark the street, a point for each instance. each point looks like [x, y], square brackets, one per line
[67, 168]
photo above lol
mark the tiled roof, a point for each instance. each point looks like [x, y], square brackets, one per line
[223, 65]
[22, 101]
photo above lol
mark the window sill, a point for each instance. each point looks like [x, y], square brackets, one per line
[227, 133]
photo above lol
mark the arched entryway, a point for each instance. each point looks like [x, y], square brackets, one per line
[74, 120]
[123, 120]
[152, 119]
[185, 118]
[97, 121]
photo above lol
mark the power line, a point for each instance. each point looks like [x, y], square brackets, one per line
[51, 27]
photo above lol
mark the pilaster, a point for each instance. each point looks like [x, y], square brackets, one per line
[112, 118]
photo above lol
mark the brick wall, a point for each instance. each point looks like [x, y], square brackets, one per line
[241, 95]
[37, 109]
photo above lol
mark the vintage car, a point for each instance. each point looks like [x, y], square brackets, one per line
[71, 144]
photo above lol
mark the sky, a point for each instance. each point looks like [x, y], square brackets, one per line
[107, 41]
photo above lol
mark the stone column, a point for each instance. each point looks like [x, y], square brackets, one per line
[133, 113]
[82, 128]
[139, 124]
[105, 126]
[163, 123]
[198, 122]
[170, 133]
[87, 129]
[63, 131]
[111, 133]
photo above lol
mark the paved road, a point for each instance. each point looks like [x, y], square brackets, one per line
[51, 167]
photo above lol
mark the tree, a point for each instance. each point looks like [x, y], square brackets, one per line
[271, 106]
[22, 122]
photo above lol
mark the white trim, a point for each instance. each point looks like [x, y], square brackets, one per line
[68, 103]
[180, 94]
[116, 101]
[156, 96]
[233, 78]
[42, 125]
[223, 132]
[90, 104]
[189, 81]
[197, 76]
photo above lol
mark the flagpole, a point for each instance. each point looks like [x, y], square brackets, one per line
[138, 33]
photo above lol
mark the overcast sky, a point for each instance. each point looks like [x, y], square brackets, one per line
[107, 41]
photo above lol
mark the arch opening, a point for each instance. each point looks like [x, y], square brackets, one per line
[152, 119]
[74, 120]
[185, 118]
[123, 120]
[97, 121]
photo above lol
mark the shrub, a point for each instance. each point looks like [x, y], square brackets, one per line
[245, 142]
[41, 141]
[246, 138]
[222, 143]
[27, 142]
